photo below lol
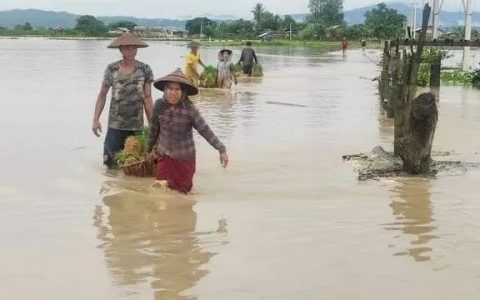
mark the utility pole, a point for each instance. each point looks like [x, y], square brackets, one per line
[414, 18]
[290, 31]
[468, 8]
[437, 7]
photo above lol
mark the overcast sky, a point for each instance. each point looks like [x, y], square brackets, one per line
[180, 8]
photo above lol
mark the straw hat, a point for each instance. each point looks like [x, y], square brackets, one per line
[127, 39]
[193, 44]
[226, 50]
[176, 76]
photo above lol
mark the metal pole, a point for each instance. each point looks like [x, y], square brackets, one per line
[435, 13]
[290, 31]
[468, 33]
[414, 19]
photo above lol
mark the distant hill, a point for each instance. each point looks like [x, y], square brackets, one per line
[447, 18]
[41, 18]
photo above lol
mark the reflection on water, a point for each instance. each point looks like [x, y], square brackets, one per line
[411, 207]
[145, 240]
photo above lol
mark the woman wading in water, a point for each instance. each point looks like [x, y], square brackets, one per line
[171, 138]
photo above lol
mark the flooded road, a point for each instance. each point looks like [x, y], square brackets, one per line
[286, 220]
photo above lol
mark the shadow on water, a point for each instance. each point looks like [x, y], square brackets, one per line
[411, 207]
[151, 238]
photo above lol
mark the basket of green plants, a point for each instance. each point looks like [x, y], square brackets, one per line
[133, 158]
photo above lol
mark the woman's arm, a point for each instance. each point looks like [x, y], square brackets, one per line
[202, 127]
[155, 124]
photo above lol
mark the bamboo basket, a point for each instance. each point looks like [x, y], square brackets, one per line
[143, 168]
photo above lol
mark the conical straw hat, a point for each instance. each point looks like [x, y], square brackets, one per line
[127, 39]
[176, 76]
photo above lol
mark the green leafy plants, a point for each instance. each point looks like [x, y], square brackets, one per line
[208, 78]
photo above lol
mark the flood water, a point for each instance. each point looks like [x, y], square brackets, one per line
[286, 220]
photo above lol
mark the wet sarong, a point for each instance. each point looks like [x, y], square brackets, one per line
[178, 173]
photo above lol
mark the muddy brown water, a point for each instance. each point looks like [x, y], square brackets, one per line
[286, 220]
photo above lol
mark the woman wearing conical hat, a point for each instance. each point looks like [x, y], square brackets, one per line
[225, 70]
[191, 63]
[131, 83]
[171, 137]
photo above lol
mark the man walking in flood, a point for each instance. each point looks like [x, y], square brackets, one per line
[131, 83]
[246, 59]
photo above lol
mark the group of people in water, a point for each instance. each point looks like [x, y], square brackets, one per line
[225, 67]
[172, 118]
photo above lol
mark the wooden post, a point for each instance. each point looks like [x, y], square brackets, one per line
[394, 69]
[419, 134]
[415, 118]
[435, 70]
[399, 104]
[408, 86]
[383, 84]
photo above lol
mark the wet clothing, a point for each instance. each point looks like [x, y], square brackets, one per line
[248, 56]
[224, 74]
[171, 137]
[126, 105]
[171, 130]
[114, 142]
[248, 69]
[191, 67]
[177, 173]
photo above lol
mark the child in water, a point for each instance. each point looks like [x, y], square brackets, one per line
[225, 70]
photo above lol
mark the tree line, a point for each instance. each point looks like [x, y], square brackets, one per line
[325, 21]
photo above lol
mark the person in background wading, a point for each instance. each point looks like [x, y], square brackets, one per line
[131, 83]
[191, 63]
[171, 139]
[225, 70]
[246, 59]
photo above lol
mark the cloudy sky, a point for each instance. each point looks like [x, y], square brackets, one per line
[181, 8]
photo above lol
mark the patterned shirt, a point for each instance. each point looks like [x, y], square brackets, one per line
[126, 105]
[171, 130]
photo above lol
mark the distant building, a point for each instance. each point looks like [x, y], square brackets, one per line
[159, 32]
[59, 29]
[119, 30]
[270, 35]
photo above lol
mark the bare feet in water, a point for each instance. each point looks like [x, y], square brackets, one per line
[162, 184]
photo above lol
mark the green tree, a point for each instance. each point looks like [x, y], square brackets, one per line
[201, 25]
[270, 21]
[384, 22]
[25, 26]
[89, 25]
[123, 24]
[258, 12]
[326, 12]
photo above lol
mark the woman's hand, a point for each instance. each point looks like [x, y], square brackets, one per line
[152, 156]
[224, 159]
